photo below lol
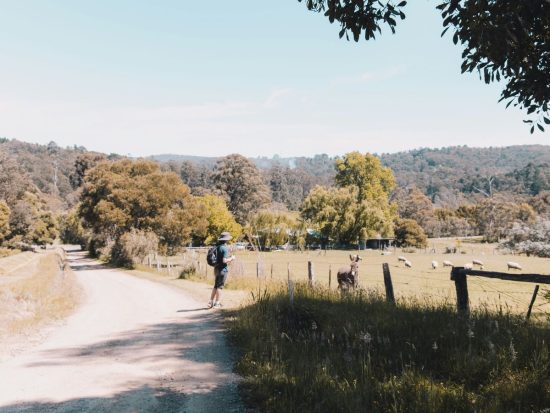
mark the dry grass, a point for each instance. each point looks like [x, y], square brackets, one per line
[36, 291]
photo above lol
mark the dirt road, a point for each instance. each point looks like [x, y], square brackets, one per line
[132, 346]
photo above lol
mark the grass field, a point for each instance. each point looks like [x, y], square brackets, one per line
[419, 282]
[357, 353]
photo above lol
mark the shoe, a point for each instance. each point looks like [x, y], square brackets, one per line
[217, 305]
[210, 304]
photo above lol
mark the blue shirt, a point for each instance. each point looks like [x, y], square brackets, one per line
[223, 252]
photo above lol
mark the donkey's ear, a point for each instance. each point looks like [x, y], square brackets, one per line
[351, 257]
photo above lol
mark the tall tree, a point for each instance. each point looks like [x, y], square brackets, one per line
[219, 220]
[240, 182]
[365, 172]
[505, 41]
[339, 217]
[82, 164]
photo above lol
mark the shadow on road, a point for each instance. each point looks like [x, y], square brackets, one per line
[138, 400]
[192, 353]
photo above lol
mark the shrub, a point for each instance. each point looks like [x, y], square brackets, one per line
[409, 234]
[529, 239]
[132, 247]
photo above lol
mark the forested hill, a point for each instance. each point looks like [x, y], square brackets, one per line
[446, 175]
[449, 176]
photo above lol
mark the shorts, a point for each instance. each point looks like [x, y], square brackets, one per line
[221, 278]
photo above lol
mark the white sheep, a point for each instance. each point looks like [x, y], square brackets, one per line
[513, 265]
[477, 262]
[447, 263]
[434, 265]
[468, 266]
[408, 264]
[401, 258]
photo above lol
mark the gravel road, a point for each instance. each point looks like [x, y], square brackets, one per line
[132, 346]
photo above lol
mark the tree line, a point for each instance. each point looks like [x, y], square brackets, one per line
[122, 209]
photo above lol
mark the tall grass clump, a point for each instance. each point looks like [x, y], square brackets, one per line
[357, 353]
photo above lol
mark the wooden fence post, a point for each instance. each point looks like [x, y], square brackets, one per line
[329, 275]
[388, 283]
[257, 270]
[158, 265]
[310, 273]
[271, 271]
[532, 301]
[288, 270]
[291, 291]
[458, 275]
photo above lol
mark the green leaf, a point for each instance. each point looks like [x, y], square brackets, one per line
[540, 127]
[546, 120]
[403, 3]
[532, 129]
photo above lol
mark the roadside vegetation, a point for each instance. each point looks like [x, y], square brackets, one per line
[357, 353]
[36, 293]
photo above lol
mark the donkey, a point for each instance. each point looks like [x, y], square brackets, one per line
[349, 276]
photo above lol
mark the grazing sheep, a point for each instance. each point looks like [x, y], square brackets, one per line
[447, 263]
[401, 259]
[468, 266]
[477, 262]
[408, 264]
[349, 276]
[434, 265]
[513, 265]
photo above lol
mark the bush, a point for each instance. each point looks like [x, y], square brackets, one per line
[188, 271]
[132, 247]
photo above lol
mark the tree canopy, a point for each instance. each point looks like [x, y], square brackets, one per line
[504, 41]
[125, 195]
[238, 180]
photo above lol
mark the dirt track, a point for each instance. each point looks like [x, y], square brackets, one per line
[132, 346]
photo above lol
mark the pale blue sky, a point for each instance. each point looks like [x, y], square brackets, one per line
[255, 77]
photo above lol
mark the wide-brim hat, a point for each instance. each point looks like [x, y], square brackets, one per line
[225, 236]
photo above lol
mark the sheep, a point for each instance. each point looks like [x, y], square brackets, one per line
[468, 266]
[477, 262]
[401, 259]
[447, 263]
[434, 265]
[513, 265]
[408, 264]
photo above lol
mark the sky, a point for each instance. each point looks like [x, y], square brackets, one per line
[255, 77]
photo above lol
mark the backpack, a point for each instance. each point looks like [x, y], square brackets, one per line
[212, 256]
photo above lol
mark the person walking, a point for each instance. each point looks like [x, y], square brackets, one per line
[221, 269]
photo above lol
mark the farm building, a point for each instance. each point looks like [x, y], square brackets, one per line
[378, 243]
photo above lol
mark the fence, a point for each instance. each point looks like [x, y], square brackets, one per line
[459, 276]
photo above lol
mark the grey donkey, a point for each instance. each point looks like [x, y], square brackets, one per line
[349, 276]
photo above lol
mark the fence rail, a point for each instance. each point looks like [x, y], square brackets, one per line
[459, 276]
